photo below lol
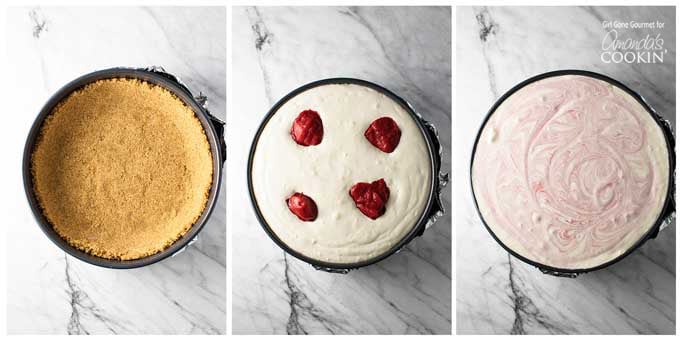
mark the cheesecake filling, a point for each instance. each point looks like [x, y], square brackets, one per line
[326, 172]
[570, 172]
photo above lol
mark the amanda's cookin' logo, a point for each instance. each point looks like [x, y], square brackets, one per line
[618, 47]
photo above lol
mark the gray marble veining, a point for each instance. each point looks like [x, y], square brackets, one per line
[278, 49]
[50, 292]
[498, 47]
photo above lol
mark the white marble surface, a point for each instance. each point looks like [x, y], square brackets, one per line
[275, 51]
[496, 49]
[50, 292]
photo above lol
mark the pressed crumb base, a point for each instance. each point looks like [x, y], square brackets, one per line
[122, 168]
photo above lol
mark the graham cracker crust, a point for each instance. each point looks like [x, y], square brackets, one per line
[122, 168]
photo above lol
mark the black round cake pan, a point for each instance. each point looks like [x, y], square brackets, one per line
[669, 204]
[214, 131]
[432, 205]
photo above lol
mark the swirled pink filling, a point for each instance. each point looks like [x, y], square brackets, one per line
[565, 170]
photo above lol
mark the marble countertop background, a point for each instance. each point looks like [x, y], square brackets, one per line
[51, 292]
[496, 49]
[277, 49]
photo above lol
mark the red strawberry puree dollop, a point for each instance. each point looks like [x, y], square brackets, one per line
[384, 134]
[570, 172]
[307, 129]
[371, 198]
[302, 206]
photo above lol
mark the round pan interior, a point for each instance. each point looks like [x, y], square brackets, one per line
[157, 79]
[417, 229]
[668, 205]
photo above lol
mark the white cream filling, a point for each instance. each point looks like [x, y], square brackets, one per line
[326, 172]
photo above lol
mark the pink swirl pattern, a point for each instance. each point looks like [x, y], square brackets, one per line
[570, 172]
